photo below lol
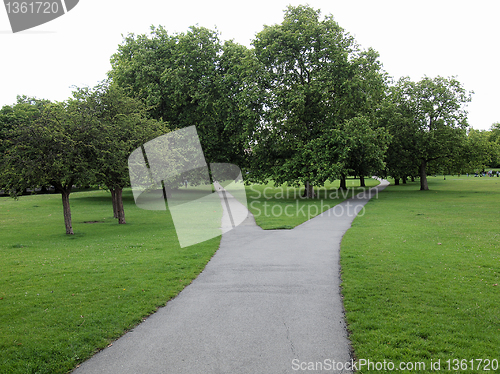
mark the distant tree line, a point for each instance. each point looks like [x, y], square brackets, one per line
[303, 106]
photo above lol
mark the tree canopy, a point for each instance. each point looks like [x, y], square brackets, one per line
[193, 79]
[432, 113]
[315, 78]
[118, 126]
[47, 149]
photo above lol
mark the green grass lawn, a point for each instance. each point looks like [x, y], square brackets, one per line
[419, 271]
[63, 297]
[282, 207]
[421, 275]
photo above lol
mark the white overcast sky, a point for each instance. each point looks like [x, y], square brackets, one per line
[414, 38]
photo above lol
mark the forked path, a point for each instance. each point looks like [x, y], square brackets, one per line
[268, 302]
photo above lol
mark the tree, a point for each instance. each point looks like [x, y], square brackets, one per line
[437, 118]
[52, 150]
[13, 118]
[314, 78]
[479, 151]
[118, 126]
[240, 107]
[401, 156]
[192, 79]
[366, 148]
[494, 133]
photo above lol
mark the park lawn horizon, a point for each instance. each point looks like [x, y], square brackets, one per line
[421, 275]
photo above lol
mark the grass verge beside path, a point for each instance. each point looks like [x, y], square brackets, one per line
[62, 297]
[282, 207]
[421, 276]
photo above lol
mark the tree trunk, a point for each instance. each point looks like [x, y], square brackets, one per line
[405, 179]
[67, 210]
[362, 181]
[412, 178]
[119, 206]
[396, 181]
[113, 199]
[423, 176]
[309, 191]
[343, 185]
[166, 191]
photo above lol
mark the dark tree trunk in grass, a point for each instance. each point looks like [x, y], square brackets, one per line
[404, 180]
[362, 181]
[343, 185]
[412, 178]
[423, 176]
[119, 206]
[113, 199]
[67, 210]
[396, 181]
[308, 191]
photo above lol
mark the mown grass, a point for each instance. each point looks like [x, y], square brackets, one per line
[419, 271]
[64, 297]
[282, 207]
[421, 275]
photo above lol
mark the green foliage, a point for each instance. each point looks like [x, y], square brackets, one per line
[47, 148]
[479, 152]
[13, 119]
[315, 78]
[117, 125]
[494, 137]
[401, 159]
[495, 133]
[192, 79]
[84, 141]
[432, 114]
[366, 147]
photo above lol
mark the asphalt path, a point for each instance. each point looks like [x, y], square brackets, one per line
[269, 301]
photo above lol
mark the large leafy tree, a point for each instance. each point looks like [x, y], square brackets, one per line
[13, 118]
[48, 149]
[479, 152]
[436, 119]
[315, 78]
[401, 156]
[193, 79]
[118, 126]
